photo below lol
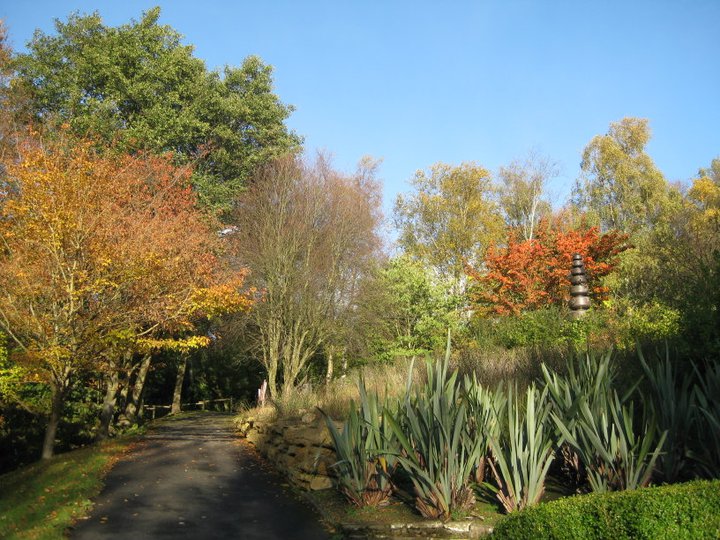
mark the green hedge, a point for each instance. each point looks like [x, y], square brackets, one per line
[690, 510]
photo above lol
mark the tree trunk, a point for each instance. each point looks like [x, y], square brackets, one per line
[272, 382]
[58, 400]
[108, 409]
[177, 394]
[270, 338]
[124, 391]
[133, 406]
[141, 403]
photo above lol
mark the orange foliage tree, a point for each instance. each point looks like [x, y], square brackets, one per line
[97, 253]
[526, 275]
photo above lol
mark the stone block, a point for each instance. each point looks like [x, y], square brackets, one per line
[320, 482]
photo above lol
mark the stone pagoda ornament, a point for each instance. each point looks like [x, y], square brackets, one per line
[579, 291]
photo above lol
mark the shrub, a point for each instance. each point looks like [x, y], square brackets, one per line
[673, 399]
[522, 450]
[708, 444]
[549, 328]
[589, 378]
[539, 327]
[484, 411]
[366, 450]
[649, 322]
[680, 511]
[440, 448]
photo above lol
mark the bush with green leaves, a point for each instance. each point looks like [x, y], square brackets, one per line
[532, 328]
[673, 512]
[589, 378]
[648, 322]
[618, 449]
[366, 449]
[707, 452]
[545, 328]
[522, 450]
[483, 406]
[409, 311]
[673, 396]
[439, 447]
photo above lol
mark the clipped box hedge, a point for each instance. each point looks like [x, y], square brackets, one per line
[678, 511]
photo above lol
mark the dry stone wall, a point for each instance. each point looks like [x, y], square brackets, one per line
[300, 446]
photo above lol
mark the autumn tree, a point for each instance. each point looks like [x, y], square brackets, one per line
[522, 192]
[620, 186]
[452, 218]
[96, 252]
[680, 267]
[703, 245]
[139, 87]
[13, 101]
[526, 275]
[308, 234]
[5, 75]
[712, 172]
[174, 280]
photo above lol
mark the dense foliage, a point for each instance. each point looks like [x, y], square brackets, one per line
[455, 441]
[676, 511]
[138, 86]
[528, 275]
[103, 257]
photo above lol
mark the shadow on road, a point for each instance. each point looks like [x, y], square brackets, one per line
[192, 478]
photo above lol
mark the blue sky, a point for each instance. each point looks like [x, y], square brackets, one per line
[418, 82]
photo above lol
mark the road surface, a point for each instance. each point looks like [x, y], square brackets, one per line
[191, 477]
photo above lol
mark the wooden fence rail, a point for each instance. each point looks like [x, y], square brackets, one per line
[227, 405]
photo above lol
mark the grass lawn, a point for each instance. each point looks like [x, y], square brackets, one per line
[43, 499]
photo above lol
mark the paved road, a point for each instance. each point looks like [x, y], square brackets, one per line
[192, 478]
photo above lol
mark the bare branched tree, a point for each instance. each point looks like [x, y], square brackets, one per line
[522, 191]
[308, 234]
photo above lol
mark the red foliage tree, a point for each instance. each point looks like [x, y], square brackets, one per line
[530, 274]
[97, 253]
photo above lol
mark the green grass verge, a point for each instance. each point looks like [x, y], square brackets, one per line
[41, 500]
[679, 511]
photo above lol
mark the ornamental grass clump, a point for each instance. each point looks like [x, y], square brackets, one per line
[366, 449]
[589, 379]
[707, 453]
[522, 450]
[674, 400]
[618, 450]
[439, 447]
[483, 406]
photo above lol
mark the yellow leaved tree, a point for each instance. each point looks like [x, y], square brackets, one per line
[99, 252]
